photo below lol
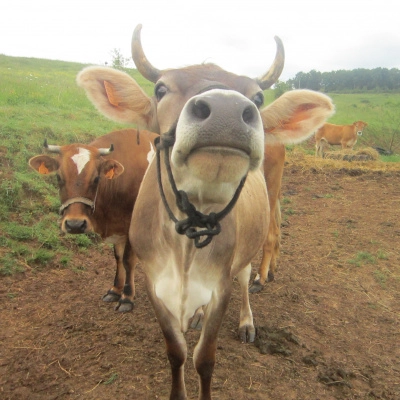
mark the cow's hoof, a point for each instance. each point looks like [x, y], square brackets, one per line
[256, 287]
[111, 297]
[247, 333]
[124, 305]
[271, 277]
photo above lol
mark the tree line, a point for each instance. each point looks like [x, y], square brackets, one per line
[345, 81]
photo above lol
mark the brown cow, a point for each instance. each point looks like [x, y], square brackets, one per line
[274, 160]
[344, 135]
[210, 215]
[94, 201]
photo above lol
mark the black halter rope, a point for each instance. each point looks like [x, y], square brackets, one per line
[209, 224]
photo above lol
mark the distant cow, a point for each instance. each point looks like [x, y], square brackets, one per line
[344, 135]
[94, 200]
[209, 216]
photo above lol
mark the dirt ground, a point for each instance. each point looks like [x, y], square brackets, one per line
[328, 326]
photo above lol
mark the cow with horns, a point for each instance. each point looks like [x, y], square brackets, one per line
[202, 211]
[93, 200]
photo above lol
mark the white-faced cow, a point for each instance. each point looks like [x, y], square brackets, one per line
[94, 201]
[202, 211]
[343, 135]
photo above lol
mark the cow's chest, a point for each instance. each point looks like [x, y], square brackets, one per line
[187, 280]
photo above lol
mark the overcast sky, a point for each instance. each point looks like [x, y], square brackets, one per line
[324, 35]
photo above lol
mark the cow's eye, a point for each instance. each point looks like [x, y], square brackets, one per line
[258, 99]
[96, 180]
[160, 90]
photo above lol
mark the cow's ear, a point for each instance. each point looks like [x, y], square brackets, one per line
[295, 116]
[44, 164]
[111, 169]
[117, 96]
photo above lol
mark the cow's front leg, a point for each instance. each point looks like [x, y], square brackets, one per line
[125, 303]
[247, 331]
[114, 294]
[175, 344]
[204, 353]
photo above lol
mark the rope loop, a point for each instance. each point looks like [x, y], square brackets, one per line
[210, 223]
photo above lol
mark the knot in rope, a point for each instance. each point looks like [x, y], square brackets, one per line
[196, 219]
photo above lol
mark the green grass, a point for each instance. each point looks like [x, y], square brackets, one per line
[111, 379]
[394, 158]
[380, 278]
[362, 258]
[381, 255]
[39, 99]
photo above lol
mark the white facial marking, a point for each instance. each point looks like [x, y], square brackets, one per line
[150, 154]
[81, 159]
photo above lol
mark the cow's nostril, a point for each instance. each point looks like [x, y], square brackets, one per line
[201, 109]
[248, 115]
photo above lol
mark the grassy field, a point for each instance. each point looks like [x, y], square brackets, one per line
[39, 99]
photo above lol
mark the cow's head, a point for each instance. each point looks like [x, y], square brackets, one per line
[79, 169]
[359, 126]
[215, 114]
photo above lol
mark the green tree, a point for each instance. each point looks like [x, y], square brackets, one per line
[281, 87]
[118, 61]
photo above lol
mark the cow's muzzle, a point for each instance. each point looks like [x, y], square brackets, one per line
[219, 119]
[75, 226]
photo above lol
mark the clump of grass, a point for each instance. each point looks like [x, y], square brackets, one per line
[289, 211]
[111, 379]
[41, 257]
[9, 265]
[380, 277]
[362, 258]
[19, 232]
[381, 255]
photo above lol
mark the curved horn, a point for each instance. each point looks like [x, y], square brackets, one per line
[51, 148]
[270, 77]
[142, 63]
[105, 152]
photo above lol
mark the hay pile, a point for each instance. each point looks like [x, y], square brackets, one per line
[297, 158]
[366, 154]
